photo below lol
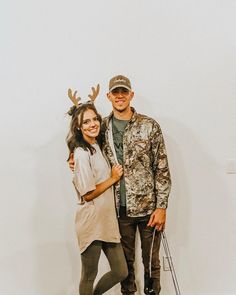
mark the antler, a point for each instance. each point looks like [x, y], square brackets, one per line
[95, 93]
[73, 97]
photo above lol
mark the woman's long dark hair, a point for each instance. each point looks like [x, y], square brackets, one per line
[75, 138]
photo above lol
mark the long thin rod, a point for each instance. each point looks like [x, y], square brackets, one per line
[151, 249]
[170, 262]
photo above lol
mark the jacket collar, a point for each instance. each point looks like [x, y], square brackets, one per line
[133, 118]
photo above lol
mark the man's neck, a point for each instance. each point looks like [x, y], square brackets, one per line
[124, 115]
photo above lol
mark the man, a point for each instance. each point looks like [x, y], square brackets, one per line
[135, 141]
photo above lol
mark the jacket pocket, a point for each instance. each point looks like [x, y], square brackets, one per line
[141, 146]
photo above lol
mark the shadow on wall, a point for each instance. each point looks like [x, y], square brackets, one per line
[192, 225]
[56, 260]
[180, 203]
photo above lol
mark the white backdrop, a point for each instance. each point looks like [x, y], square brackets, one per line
[180, 56]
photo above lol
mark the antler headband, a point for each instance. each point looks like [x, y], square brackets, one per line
[76, 100]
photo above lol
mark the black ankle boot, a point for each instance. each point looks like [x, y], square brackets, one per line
[148, 285]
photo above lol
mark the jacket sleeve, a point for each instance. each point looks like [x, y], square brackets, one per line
[161, 172]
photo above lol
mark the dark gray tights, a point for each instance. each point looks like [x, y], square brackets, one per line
[90, 258]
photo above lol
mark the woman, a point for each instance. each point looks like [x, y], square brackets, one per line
[96, 220]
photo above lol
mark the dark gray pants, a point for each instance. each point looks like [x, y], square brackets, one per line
[90, 258]
[128, 228]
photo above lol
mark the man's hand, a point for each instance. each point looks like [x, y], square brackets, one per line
[71, 162]
[158, 219]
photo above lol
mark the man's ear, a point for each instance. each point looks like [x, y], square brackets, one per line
[131, 95]
[108, 96]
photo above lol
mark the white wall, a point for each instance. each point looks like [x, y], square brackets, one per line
[180, 56]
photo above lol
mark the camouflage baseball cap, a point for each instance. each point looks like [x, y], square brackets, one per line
[119, 81]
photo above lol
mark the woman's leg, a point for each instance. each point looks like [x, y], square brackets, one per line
[89, 259]
[119, 271]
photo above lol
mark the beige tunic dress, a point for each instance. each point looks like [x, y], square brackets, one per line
[97, 219]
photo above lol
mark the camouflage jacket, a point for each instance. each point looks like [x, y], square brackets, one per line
[146, 171]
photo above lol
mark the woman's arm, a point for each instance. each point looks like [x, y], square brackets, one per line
[116, 174]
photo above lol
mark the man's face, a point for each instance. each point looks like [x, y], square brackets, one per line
[120, 98]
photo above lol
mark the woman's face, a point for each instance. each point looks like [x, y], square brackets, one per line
[90, 126]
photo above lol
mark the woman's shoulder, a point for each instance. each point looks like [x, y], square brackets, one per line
[80, 152]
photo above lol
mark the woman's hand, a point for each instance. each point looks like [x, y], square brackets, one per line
[71, 162]
[116, 172]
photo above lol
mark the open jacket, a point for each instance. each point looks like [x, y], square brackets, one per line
[146, 171]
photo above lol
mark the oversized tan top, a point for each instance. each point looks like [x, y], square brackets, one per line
[97, 219]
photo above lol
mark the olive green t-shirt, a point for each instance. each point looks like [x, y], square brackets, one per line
[118, 127]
